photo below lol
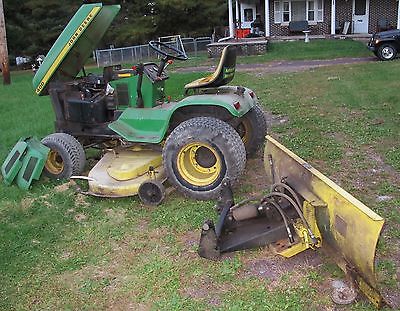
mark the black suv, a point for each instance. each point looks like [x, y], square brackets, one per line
[386, 44]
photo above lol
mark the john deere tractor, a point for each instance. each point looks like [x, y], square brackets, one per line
[194, 143]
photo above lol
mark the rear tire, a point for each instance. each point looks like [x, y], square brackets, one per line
[252, 129]
[66, 157]
[200, 153]
[387, 52]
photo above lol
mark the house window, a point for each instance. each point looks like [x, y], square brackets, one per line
[298, 10]
[286, 11]
[311, 11]
[248, 15]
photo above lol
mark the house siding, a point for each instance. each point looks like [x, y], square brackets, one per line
[344, 12]
[382, 9]
[321, 28]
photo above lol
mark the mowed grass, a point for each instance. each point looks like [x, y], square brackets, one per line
[292, 50]
[60, 250]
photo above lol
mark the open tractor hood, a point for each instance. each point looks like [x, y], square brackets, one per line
[75, 45]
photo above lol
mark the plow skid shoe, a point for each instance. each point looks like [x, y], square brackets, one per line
[346, 225]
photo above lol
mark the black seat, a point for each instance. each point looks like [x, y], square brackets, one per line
[298, 26]
[224, 73]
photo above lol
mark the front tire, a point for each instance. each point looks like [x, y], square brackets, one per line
[252, 129]
[387, 52]
[66, 157]
[200, 153]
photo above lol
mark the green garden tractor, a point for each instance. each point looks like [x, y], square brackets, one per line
[146, 138]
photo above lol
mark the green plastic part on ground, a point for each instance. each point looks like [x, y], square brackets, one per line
[75, 45]
[25, 162]
[13, 162]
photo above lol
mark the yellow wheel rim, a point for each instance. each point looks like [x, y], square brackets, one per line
[199, 164]
[245, 131]
[54, 163]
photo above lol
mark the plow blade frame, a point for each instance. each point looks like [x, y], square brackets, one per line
[348, 226]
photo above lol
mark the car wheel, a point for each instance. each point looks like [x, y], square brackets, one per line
[200, 153]
[252, 129]
[66, 157]
[387, 52]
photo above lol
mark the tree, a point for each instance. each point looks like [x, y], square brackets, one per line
[34, 25]
[4, 64]
[188, 17]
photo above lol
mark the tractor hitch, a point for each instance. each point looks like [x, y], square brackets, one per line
[251, 223]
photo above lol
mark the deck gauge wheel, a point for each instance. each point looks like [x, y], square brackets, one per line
[151, 192]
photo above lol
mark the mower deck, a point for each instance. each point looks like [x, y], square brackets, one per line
[120, 173]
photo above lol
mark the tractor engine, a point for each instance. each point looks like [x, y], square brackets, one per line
[84, 107]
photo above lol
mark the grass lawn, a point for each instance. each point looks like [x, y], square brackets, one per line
[293, 50]
[60, 250]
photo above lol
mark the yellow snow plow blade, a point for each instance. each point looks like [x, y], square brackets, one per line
[346, 225]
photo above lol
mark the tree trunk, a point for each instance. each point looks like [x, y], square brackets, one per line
[4, 64]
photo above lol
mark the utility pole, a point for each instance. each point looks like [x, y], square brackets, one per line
[4, 64]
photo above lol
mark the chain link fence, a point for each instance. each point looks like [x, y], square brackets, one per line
[141, 53]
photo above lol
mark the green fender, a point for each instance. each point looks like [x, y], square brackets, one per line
[25, 162]
[149, 125]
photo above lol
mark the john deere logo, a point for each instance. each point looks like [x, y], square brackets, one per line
[229, 72]
[67, 47]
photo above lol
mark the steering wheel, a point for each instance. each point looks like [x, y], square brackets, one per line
[167, 50]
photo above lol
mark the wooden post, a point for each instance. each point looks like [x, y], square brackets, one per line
[4, 64]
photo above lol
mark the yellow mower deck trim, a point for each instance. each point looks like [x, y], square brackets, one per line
[131, 164]
[101, 183]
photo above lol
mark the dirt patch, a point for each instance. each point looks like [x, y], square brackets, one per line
[190, 239]
[80, 200]
[273, 119]
[205, 289]
[115, 216]
[66, 255]
[274, 267]
[64, 187]
[392, 298]
[125, 304]
[80, 217]
[27, 202]
[142, 225]
[254, 179]
[381, 166]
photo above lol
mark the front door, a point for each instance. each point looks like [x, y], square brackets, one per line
[248, 14]
[360, 16]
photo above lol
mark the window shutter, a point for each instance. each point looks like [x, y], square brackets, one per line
[277, 12]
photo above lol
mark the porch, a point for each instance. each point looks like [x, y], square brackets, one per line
[357, 37]
[323, 17]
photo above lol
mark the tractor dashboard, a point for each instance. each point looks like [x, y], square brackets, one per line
[151, 71]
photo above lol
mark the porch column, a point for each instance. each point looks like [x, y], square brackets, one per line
[237, 15]
[333, 17]
[398, 15]
[266, 19]
[231, 22]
